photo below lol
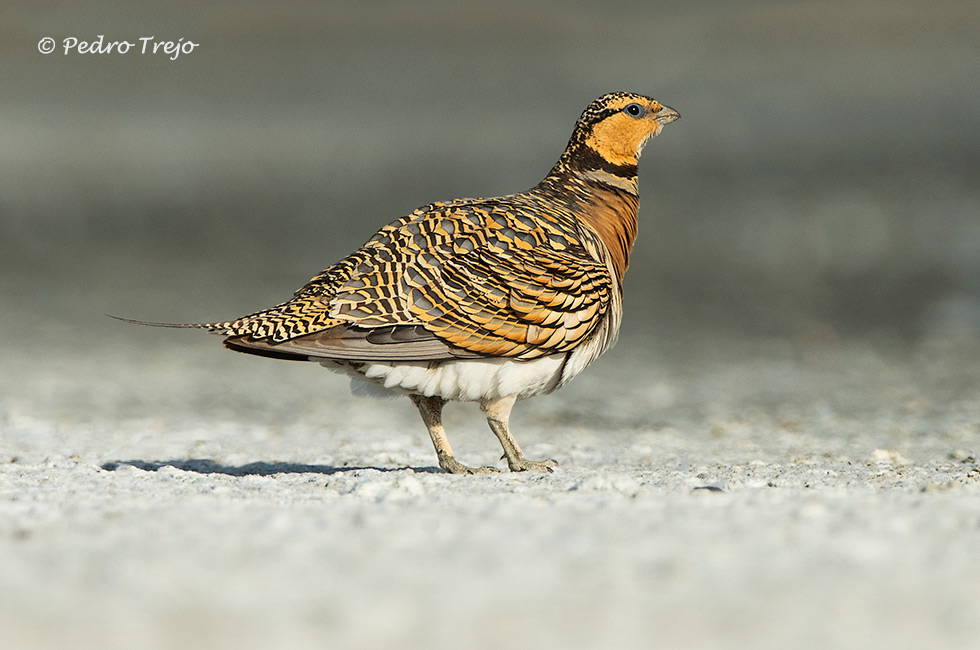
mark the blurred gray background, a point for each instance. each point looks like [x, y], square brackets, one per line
[822, 183]
[803, 302]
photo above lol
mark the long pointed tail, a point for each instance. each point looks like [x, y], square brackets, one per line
[288, 320]
[215, 328]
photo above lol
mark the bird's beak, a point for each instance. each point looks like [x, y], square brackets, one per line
[667, 115]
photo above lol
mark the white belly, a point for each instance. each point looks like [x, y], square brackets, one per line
[462, 380]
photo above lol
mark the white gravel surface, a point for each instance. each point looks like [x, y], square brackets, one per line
[778, 483]
[161, 492]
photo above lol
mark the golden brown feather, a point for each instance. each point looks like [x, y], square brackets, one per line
[533, 278]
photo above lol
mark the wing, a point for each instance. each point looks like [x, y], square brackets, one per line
[482, 277]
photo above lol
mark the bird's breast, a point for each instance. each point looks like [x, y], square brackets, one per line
[611, 217]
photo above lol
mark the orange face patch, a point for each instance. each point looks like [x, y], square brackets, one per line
[620, 137]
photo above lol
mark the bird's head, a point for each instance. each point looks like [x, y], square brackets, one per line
[613, 130]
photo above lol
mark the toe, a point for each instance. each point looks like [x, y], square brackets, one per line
[484, 470]
[525, 465]
[453, 466]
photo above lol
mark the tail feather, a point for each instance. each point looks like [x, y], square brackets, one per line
[214, 328]
[297, 317]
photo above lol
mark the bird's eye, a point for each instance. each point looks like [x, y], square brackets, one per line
[633, 109]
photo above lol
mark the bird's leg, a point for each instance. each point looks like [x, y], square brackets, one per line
[430, 408]
[498, 416]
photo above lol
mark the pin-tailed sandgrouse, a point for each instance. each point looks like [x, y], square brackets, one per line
[485, 300]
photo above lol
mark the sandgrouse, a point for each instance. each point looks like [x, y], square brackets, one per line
[486, 300]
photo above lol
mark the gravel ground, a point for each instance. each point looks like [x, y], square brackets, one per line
[713, 493]
[780, 453]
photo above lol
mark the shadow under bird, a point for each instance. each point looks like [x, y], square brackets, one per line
[487, 300]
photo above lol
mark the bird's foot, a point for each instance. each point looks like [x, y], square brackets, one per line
[452, 466]
[522, 464]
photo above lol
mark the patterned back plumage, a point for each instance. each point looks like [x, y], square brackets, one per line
[520, 276]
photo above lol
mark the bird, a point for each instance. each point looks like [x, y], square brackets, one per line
[486, 300]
